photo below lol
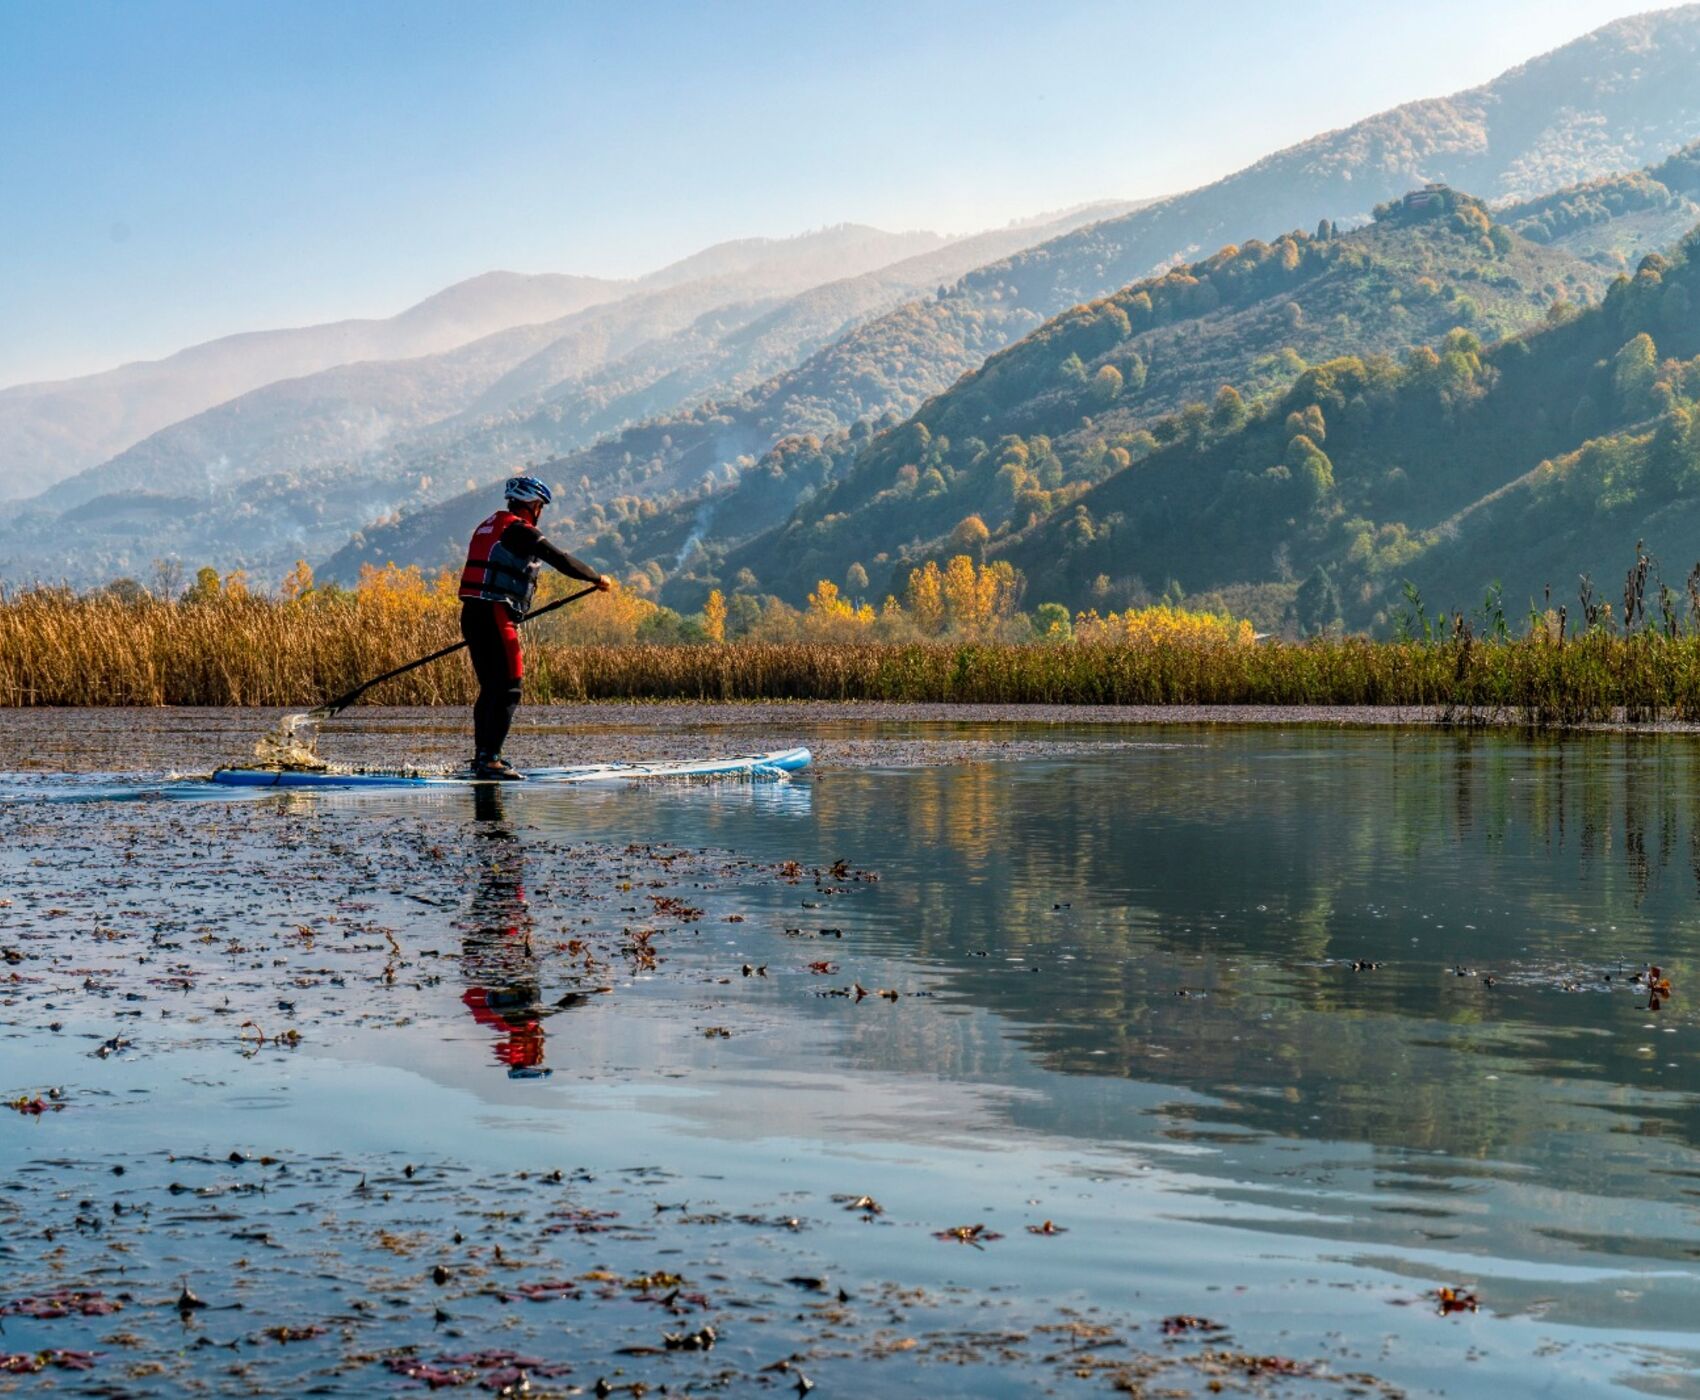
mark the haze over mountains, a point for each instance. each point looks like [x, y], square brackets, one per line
[292, 468]
[342, 411]
[85, 421]
[739, 416]
[50, 430]
[1621, 97]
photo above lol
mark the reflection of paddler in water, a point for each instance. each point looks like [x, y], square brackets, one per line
[497, 958]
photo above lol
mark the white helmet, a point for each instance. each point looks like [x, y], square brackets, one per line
[528, 488]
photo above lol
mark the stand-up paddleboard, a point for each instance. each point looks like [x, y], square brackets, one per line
[760, 765]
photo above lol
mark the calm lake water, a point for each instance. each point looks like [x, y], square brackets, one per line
[1285, 1029]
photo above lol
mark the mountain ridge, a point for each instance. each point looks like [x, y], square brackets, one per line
[1532, 127]
[54, 428]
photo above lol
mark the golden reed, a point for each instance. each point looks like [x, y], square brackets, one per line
[61, 649]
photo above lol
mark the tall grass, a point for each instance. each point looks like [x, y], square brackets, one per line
[58, 649]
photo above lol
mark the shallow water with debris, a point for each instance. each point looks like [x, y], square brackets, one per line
[994, 1057]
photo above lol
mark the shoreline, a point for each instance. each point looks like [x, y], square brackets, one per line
[183, 741]
[646, 713]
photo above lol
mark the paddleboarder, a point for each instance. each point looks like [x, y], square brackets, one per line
[507, 553]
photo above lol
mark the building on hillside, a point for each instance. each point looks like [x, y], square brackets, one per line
[1429, 196]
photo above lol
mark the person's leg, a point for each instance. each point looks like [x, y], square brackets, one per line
[505, 696]
[492, 645]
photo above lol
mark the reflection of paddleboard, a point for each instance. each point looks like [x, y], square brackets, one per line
[760, 765]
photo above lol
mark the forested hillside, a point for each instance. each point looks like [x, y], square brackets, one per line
[1619, 98]
[1615, 215]
[1452, 466]
[1196, 351]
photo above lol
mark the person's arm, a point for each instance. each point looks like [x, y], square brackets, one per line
[527, 541]
[560, 559]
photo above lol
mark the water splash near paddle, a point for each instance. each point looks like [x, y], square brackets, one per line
[292, 744]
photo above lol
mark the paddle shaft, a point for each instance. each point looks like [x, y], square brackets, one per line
[342, 702]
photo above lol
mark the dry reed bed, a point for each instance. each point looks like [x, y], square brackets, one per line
[60, 650]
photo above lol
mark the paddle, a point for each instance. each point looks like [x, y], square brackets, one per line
[342, 702]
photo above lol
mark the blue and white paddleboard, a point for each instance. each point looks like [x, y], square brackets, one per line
[757, 765]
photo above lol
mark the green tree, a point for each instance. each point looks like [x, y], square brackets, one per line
[206, 586]
[125, 590]
[1133, 379]
[1311, 469]
[1107, 385]
[1011, 477]
[743, 615]
[1228, 414]
[1078, 532]
[1633, 371]
[1316, 607]
[1310, 422]
[1052, 622]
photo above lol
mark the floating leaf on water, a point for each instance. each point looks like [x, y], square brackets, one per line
[295, 1334]
[1179, 1324]
[29, 1363]
[62, 1302]
[866, 1204]
[808, 1282]
[975, 1235]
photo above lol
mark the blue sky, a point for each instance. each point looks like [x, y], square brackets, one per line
[172, 170]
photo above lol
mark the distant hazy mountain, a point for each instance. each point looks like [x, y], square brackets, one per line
[817, 256]
[1621, 97]
[334, 416]
[723, 354]
[50, 430]
[293, 468]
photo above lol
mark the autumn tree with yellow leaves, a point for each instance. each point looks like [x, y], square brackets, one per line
[714, 617]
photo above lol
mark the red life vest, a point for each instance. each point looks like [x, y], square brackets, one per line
[494, 573]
